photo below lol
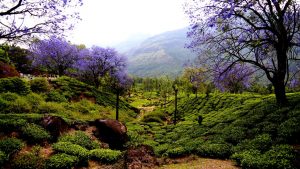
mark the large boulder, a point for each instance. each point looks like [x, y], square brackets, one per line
[141, 157]
[55, 125]
[112, 132]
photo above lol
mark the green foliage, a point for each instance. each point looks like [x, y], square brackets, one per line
[261, 142]
[80, 138]
[289, 129]
[11, 145]
[3, 158]
[176, 152]
[55, 96]
[35, 133]
[20, 105]
[14, 85]
[34, 100]
[8, 125]
[161, 149]
[61, 161]
[278, 157]
[28, 161]
[8, 96]
[106, 155]
[72, 149]
[50, 108]
[214, 150]
[156, 116]
[39, 85]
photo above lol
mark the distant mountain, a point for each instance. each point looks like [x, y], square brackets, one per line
[162, 54]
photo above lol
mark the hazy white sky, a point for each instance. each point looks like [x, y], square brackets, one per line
[107, 22]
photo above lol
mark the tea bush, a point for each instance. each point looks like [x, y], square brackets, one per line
[11, 145]
[61, 161]
[39, 85]
[106, 155]
[278, 157]
[71, 149]
[28, 161]
[35, 133]
[80, 138]
[3, 158]
[55, 96]
[14, 85]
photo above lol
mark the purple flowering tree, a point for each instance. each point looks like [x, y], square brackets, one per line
[98, 62]
[120, 83]
[233, 80]
[263, 33]
[55, 54]
[20, 19]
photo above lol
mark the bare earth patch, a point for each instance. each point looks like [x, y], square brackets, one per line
[199, 163]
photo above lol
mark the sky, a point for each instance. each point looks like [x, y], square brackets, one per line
[109, 22]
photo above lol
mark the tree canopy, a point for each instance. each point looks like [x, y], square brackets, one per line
[263, 33]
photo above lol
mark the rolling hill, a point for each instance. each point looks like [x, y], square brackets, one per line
[163, 54]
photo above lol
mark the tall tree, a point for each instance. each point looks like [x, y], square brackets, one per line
[97, 62]
[55, 54]
[234, 80]
[20, 19]
[120, 83]
[263, 33]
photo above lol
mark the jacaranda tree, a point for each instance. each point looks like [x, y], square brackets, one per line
[98, 62]
[20, 19]
[234, 80]
[56, 55]
[120, 82]
[263, 33]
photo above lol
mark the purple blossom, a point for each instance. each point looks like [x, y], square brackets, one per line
[55, 54]
[233, 79]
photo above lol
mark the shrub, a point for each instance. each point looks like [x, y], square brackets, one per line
[106, 155]
[28, 161]
[176, 152]
[80, 138]
[8, 125]
[214, 150]
[14, 85]
[261, 142]
[161, 149]
[72, 149]
[11, 145]
[39, 85]
[35, 133]
[34, 100]
[61, 161]
[3, 158]
[3, 105]
[289, 130]
[234, 134]
[9, 96]
[50, 107]
[54, 96]
[279, 157]
[20, 105]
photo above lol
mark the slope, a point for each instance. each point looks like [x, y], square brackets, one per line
[163, 54]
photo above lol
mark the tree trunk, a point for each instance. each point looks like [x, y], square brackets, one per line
[279, 76]
[279, 89]
[117, 106]
[175, 112]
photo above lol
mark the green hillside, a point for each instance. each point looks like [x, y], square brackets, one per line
[247, 128]
[163, 54]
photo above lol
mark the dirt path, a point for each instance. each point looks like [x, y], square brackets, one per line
[143, 111]
[200, 163]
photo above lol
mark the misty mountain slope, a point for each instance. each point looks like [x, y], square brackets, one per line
[162, 54]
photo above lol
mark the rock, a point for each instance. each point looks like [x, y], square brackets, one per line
[55, 125]
[112, 132]
[141, 157]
